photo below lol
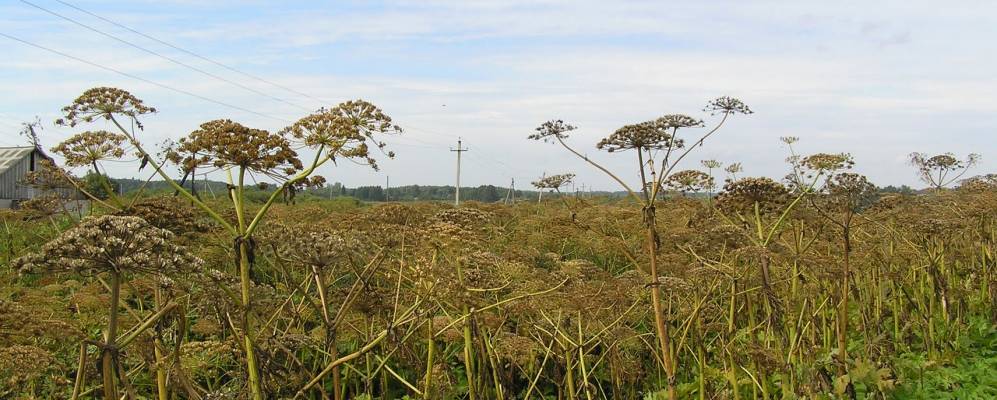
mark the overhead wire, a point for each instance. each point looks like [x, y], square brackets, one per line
[139, 78]
[193, 54]
[170, 59]
[480, 156]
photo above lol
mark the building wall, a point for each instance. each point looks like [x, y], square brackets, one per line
[12, 191]
[10, 180]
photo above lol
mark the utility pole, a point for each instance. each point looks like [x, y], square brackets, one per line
[459, 150]
[387, 185]
[510, 197]
[207, 187]
[540, 191]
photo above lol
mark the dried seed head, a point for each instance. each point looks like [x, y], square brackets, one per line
[469, 218]
[448, 234]
[553, 129]
[553, 181]
[42, 206]
[103, 102]
[740, 196]
[87, 148]
[825, 162]
[849, 192]
[689, 181]
[108, 243]
[168, 213]
[515, 349]
[727, 105]
[318, 247]
[980, 183]
[711, 164]
[223, 143]
[48, 176]
[649, 135]
[22, 364]
[935, 170]
[732, 170]
[346, 130]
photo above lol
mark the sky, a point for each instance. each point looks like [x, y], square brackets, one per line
[878, 79]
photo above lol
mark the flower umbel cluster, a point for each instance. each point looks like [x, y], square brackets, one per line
[649, 135]
[223, 143]
[103, 102]
[556, 129]
[727, 105]
[740, 196]
[345, 130]
[850, 192]
[87, 148]
[319, 248]
[825, 162]
[553, 181]
[48, 176]
[689, 181]
[111, 243]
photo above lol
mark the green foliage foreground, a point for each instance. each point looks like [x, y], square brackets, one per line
[520, 301]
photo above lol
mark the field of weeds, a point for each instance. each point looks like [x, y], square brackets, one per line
[543, 300]
[816, 286]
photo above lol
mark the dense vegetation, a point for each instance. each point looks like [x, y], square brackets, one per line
[819, 286]
[483, 193]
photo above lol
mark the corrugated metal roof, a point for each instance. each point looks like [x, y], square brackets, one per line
[11, 155]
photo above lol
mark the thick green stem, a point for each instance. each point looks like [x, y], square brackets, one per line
[255, 385]
[469, 355]
[161, 389]
[569, 376]
[330, 333]
[430, 353]
[660, 326]
[843, 310]
[80, 372]
[108, 362]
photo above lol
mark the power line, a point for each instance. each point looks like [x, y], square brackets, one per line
[136, 77]
[193, 54]
[10, 124]
[170, 59]
[4, 142]
[487, 156]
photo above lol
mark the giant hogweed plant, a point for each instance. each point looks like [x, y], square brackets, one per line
[347, 131]
[941, 170]
[114, 247]
[659, 151]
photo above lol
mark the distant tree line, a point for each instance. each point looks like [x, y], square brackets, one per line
[483, 193]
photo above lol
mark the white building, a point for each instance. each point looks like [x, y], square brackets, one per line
[15, 163]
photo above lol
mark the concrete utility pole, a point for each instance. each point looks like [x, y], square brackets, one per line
[540, 191]
[459, 150]
[387, 185]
